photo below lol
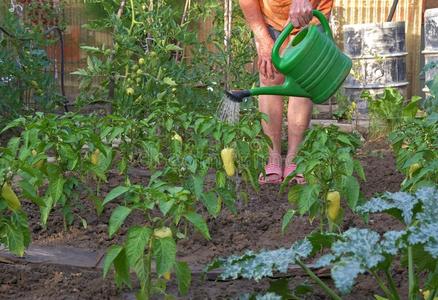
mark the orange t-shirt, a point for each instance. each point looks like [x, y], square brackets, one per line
[276, 12]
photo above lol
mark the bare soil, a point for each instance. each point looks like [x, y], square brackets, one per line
[256, 226]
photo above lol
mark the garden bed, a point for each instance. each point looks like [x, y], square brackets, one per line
[256, 226]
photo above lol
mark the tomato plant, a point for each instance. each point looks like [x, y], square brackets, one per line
[25, 84]
[326, 159]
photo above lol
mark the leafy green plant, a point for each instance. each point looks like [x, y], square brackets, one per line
[345, 108]
[326, 159]
[26, 85]
[14, 228]
[389, 109]
[415, 145]
[430, 103]
[359, 251]
[154, 242]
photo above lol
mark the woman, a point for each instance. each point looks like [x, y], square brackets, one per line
[267, 18]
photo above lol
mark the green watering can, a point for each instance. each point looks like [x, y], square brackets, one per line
[313, 66]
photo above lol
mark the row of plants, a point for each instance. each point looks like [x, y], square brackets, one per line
[326, 161]
[55, 158]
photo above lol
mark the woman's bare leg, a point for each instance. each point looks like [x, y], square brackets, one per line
[298, 119]
[272, 106]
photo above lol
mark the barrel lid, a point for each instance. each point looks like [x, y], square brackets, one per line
[379, 55]
[431, 11]
[430, 51]
[373, 25]
[377, 86]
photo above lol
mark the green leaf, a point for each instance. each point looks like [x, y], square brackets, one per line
[198, 186]
[359, 170]
[164, 250]
[29, 191]
[229, 199]
[116, 192]
[287, 218]
[352, 190]
[184, 277]
[280, 287]
[294, 193]
[122, 269]
[15, 240]
[380, 297]
[169, 81]
[45, 211]
[14, 123]
[309, 196]
[13, 145]
[173, 47]
[135, 244]
[165, 205]
[117, 218]
[56, 188]
[344, 139]
[110, 256]
[199, 223]
[210, 200]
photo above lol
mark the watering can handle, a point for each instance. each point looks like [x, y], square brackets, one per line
[288, 30]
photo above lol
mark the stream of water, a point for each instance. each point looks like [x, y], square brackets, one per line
[228, 110]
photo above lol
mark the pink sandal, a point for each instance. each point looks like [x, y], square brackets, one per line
[291, 167]
[273, 172]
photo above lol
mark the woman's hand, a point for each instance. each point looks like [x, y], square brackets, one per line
[264, 51]
[300, 13]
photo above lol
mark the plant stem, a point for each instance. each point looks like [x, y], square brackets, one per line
[412, 288]
[382, 285]
[312, 275]
[132, 16]
[148, 286]
[392, 284]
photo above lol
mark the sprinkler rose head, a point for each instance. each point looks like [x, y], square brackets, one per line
[238, 96]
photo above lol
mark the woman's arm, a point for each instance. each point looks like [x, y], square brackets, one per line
[264, 42]
[253, 15]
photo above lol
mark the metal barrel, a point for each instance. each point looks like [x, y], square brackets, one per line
[430, 43]
[378, 51]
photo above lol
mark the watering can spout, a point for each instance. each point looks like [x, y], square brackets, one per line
[289, 88]
[237, 95]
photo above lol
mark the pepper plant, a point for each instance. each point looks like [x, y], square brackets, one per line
[326, 159]
[415, 144]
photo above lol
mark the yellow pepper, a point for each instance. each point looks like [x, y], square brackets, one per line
[413, 168]
[334, 205]
[11, 198]
[162, 232]
[227, 155]
[426, 295]
[95, 157]
[177, 137]
[167, 276]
